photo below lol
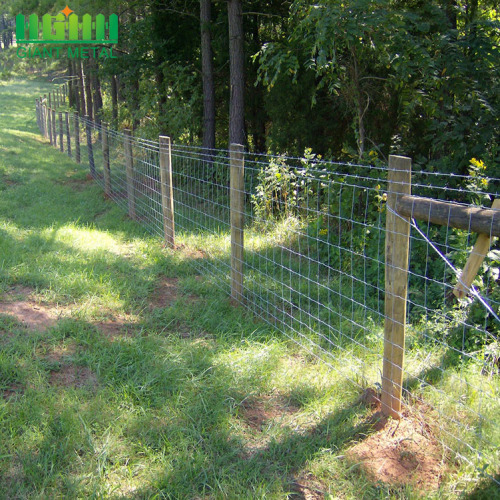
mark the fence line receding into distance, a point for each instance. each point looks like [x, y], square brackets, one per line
[358, 264]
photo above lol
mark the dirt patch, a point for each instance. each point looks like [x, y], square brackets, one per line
[307, 487]
[258, 416]
[371, 398]
[77, 184]
[73, 376]
[165, 294]
[115, 329]
[258, 412]
[20, 291]
[18, 302]
[61, 352]
[191, 253]
[30, 314]
[14, 475]
[13, 390]
[403, 452]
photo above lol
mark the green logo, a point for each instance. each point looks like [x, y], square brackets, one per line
[66, 28]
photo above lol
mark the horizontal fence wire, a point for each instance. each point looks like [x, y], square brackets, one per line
[314, 266]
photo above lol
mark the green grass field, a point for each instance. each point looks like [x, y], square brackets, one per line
[125, 374]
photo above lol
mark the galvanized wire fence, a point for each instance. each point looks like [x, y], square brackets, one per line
[313, 265]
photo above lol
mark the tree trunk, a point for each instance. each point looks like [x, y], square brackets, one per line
[162, 100]
[71, 96]
[451, 13]
[96, 82]
[255, 106]
[134, 103]
[2, 27]
[114, 100]
[88, 92]
[96, 85]
[161, 18]
[236, 69]
[82, 109]
[207, 72]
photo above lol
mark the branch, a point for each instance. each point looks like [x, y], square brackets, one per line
[261, 14]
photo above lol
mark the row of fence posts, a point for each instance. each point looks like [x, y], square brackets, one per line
[48, 125]
[396, 240]
[401, 207]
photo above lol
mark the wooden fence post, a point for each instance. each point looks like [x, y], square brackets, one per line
[77, 137]
[68, 135]
[37, 110]
[90, 151]
[130, 173]
[45, 116]
[39, 114]
[40, 117]
[237, 202]
[50, 100]
[105, 156]
[167, 191]
[54, 133]
[397, 242]
[61, 141]
[49, 123]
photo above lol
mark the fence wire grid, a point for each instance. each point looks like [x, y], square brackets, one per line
[314, 266]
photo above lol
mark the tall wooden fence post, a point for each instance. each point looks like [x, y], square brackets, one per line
[167, 191]
[130, 173]
[54, 133]
[68, 135]
[46, 133]
[39, 114]
[77, 137]
[90, 150]
[49, 123]
[397, 241]
[237, 202]
[61, 141]
[105, 157]
[42, 116]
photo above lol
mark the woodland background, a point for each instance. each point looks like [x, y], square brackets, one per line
[349, 79]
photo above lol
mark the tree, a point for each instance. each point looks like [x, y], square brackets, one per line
[237, 78]
[207, 72]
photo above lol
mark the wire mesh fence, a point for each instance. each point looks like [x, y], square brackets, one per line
[314, 265]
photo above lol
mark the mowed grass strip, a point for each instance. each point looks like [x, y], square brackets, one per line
[123, 374]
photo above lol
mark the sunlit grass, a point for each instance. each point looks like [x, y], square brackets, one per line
[161, 408]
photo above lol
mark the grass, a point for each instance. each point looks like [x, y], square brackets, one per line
[144, 382]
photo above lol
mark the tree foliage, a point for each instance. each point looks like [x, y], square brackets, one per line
[343, 77]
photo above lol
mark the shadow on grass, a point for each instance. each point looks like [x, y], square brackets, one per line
[487, 489]
[181, 405]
